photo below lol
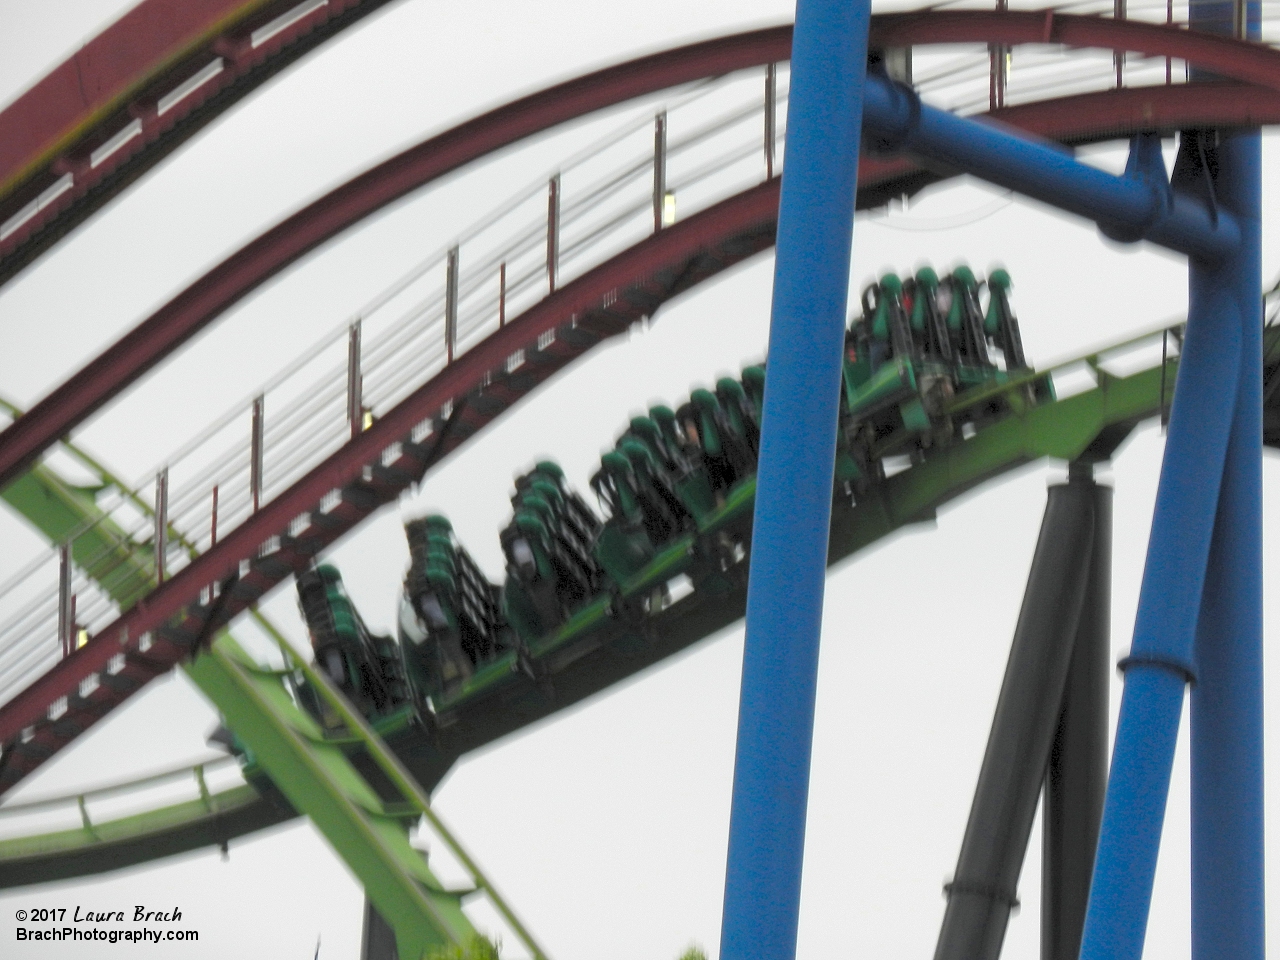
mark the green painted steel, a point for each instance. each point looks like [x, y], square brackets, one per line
[62, 511]
[125, 828]
[100, 548]
[367, 827]
[406, 793]
[1087, 426]
[314, 770]
[580, 658]
[118, 842]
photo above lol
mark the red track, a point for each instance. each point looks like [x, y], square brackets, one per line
[190, 311]
[376, 466]
[121, 76]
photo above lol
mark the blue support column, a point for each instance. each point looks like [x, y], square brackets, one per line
[1227, 903]
[1200, 615]
[1228, 915]
[793, 499]
[1162, 655]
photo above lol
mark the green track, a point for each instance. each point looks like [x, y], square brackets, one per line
[343, 777]
[583, 658]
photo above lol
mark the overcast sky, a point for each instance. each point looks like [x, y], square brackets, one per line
[606, 827]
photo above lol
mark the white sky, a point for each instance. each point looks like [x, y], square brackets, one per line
[606, 827]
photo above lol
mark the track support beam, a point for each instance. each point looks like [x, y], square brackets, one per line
[1137, 206]
[1228, 906]
[1076, 782]
[1200, 609]
[984, 891]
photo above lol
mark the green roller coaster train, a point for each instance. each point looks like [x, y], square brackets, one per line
[937, 397]
[696, 641]
[925, 367]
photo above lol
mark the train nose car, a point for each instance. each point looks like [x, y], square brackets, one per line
[917, 358]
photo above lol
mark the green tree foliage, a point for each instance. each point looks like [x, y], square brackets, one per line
[694, 952]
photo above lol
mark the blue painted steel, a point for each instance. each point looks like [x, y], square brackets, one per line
[793, 501]
[1136, 206]
[1137, 789]
[1199, 611]
[1228, 910]
[1219, 16]
[1228, 914]
[1165, 629]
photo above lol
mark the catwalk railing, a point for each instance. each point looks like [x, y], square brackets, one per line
[711, 140]
[709, 143]
[1120, 383]
[1069, 377]
[87, 810]
[127, 99]
[971, 80]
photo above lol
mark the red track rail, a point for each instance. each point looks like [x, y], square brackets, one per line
[102, 75]
[374, 467]
[202, 302]
[120, 76]
[112, 90]
[197, 306]
[1237, 59]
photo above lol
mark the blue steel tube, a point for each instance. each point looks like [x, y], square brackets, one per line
[1044, 171]
[1199, 614]
[1228, 915]
[793, 498]
[1228, 912]
[1162, 654]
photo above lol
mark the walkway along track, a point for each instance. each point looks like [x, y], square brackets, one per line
[337, 771]
[364, 477]
[580, 662]
[376, 466]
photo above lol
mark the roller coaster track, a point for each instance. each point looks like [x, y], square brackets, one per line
[159, 75]
[375, 465]
[337, 771]
[134, 94]
[1070, 120]
[591, 653]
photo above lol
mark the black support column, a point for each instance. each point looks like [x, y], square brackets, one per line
[1076, 782]
[377, 939]
[984, 891]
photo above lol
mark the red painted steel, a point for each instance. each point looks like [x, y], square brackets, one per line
[1091, 117]
[190, 311]
[110, 93]
[176, 322]
[1072, 119]
[672, 250]
[101, 75]
[116, 78]
[1225, 56]
[1075, 119]
[151, 38]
